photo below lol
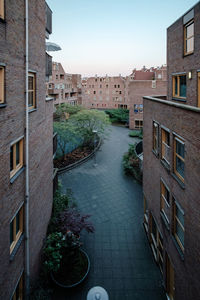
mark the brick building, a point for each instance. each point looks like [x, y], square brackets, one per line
[104, 92]
[26, 144]
[64, 87]
[142, 83]
[171, 167]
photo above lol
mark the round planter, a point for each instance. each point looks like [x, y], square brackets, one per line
[76, 283]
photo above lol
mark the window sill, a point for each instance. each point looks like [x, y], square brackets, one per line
[12, 179]
[188, 54]
[2, 105]
[179, 99]
[165, 165]
[155, 153]
[32, 110]
[17, 246]
[182, 184]
[180, 251]
[164, 221]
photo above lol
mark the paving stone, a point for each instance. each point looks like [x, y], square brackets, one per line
[121, 259]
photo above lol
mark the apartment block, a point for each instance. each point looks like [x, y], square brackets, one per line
[104, 92]
[141, 83]
[64, 87]
[22, 135]
[171, 168]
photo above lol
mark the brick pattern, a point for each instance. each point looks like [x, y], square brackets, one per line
[12, 120]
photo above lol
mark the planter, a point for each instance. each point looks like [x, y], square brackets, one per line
[74, 284]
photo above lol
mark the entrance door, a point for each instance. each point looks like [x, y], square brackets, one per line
[170, 279]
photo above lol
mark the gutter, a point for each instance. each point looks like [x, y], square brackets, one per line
[27, 253]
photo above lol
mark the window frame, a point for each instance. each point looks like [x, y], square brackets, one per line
[175, 221]
[164, 132]
[20, 286]
[33, 75]
[2, 84]
[139, 125]
[186, 39]
[18, 234]
[17, 167]
[2, 9]
[178, 86]
[181, 141]
[164, 202]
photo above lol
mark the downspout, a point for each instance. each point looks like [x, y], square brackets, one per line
[27, 259]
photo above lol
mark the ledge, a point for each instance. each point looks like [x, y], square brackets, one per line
[178, 105]
[155, 153]
[3, 105]
[12, 255]
[16, 175]
[49, 99]
[182, 185]
[32, 110]
[76, 164]
[179, 99]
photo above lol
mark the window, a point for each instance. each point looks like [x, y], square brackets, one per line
[96, 79]
[189, 38]
[106, 85]
[56, 76]
[153, 84]
[179, 86]
[165, 147]
[31, 90]
[178, 225]
[62, 76]
[16, 229]
[138, 124]
[16, 157]
[1, 85]
[179, 158]
[165, 201]
[118, 85]
[100, 86]
[2, 9]
[120, 92]
[146, 215]
[155, 137]
[19, 291]
[115, 86]
[156, 240]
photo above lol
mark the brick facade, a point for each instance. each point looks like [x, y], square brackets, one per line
[12, 119]
[181, 119]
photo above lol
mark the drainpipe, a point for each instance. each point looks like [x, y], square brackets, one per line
[27, 259]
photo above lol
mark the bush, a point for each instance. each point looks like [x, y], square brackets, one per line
[131, 164]
[136, 133]
[118, 115]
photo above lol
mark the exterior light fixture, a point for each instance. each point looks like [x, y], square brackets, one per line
[190, 75]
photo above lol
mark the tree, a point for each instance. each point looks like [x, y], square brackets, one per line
[67, 134]
[89, 123]
[65, 110]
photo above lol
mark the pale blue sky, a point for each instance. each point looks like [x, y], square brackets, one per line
[112, 36]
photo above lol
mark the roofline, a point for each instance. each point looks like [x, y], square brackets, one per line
[184, 14]
[167, 102]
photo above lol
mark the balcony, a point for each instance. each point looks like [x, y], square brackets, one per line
[48, 21]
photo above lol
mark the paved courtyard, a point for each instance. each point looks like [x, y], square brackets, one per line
[121, 259]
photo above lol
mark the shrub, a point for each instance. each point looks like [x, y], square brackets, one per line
[131, 164]
[136, 133]
[118, 115]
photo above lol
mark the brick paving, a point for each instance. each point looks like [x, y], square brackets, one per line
[121, 259]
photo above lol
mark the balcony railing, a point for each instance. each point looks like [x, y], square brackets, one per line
[48, 65]
[48, 19]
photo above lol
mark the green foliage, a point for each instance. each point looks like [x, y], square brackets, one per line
[118, 115]
[67, 133]
[136, 133]
[88, 121]
[131, 163]
[65, 108]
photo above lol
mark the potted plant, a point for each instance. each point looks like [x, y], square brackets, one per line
[67, 263]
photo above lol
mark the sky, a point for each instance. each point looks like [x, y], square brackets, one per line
[112, 36]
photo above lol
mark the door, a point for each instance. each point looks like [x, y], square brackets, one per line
[169, 278]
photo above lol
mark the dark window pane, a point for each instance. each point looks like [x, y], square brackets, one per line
[176, 85]
[17, 153]
[11, 232]
[11, 158]
[30, 83]
[183, 86]
[180, 166]
[17, 223]
[180, 233]
[180, 216]
[30, 98]
[154, 228]
[180, 149]
[166, 194]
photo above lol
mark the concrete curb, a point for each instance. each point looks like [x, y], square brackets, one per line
[81, 161]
